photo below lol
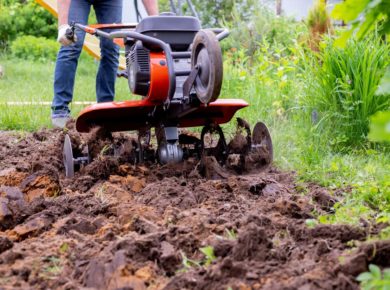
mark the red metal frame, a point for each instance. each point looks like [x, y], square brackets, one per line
[135, 115]
[159, 78]
[114, 26]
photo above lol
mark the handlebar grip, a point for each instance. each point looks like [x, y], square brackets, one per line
[69, 34]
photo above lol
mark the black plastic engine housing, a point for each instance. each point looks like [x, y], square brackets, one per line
[138, 69]
[177, 31]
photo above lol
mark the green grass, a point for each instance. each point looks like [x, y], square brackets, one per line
[32, 81]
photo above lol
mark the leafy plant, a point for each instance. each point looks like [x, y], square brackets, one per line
[104, 150]
[214, 12]
[102, 196]
[19, 18]
[342, 86]
[64, 248]
[262, 29]
[188, 263]
[311, 223]
[209, 255]
[385, 233]
[365, 16]
[374, 279]
[34, 48]
[231, 234]
[362, 15]
[53, 268]
[380, 127]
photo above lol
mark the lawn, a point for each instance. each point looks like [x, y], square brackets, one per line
[32, 81]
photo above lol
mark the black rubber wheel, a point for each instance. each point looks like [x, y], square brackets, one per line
[207, 54]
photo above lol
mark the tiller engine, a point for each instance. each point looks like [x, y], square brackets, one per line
[177, 68]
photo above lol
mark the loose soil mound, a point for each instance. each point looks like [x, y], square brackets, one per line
[117, 225]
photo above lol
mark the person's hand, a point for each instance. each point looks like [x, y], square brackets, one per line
[65, 35]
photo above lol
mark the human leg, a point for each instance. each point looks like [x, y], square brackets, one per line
[107, 11]
[66, 64]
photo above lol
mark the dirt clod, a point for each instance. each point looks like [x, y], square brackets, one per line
[5, 244]
[117, 225]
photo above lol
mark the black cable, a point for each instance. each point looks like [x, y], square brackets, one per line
[139, 16]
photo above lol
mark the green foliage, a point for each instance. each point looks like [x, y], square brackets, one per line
[341, 88]
[208, 252]
[311, 223]
[34, 48]
[262, 28]
[64, 248]
[376, 195]
[231, 234]
[164, 6]
[53, 268]
[385, 233]
[380, 127]
[384, 86]
[209, 257]
[188, 263]
[374, 279]
[25, 18]
[365, 176]
[213, 13]
[318, 15]
[362, 15]
[380, 122]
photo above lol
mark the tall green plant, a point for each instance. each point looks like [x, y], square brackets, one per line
[319, 23]
[363, 17]
[342, 86]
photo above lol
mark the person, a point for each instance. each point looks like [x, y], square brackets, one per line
[107, 11]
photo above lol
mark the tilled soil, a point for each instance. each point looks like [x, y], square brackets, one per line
[117, 225]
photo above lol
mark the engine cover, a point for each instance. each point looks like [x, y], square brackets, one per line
[138, 69]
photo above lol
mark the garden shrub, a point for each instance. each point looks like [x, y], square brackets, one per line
[212, 13]
[262, 63]
[34, 48]
[263, 26]
[26, 18]
[342, 85]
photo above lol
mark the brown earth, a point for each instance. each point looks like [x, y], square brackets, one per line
[121, 226]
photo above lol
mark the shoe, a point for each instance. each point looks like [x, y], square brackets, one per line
[59, 119]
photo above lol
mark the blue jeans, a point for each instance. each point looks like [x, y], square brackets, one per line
[107, 11]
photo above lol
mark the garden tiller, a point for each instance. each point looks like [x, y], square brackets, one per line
[177, 69]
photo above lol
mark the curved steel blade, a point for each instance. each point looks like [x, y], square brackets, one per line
[262, 142]
[67, 154]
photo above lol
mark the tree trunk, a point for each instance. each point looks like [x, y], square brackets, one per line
[278, 7]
